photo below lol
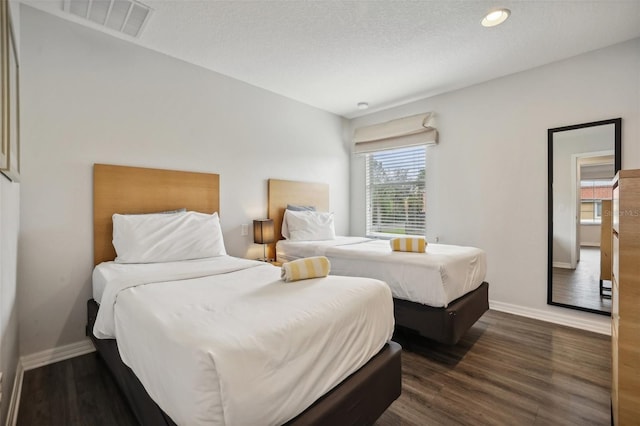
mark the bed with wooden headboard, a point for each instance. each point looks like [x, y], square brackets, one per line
[443, 324]
[134, 190]
[359, 399]
[284, 192]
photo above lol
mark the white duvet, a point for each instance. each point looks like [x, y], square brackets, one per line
[225, 341]
[435, 278]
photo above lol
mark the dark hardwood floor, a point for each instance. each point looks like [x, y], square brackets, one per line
[507, 370]
[78, 391]
[581, 286]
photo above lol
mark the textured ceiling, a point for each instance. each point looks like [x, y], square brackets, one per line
[334, 54]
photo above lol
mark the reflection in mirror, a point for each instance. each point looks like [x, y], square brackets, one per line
[583, 160]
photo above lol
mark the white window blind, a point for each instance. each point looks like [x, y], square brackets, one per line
[415, 130]
[395, 186]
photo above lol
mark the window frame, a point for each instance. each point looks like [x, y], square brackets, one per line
[597, 202]
[414, 223]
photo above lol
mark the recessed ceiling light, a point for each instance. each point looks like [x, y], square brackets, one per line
[496, 17]
[363, 105]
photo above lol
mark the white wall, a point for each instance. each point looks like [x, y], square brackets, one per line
[87, 98]
[590, 235]
[487, 178]
[9, 225]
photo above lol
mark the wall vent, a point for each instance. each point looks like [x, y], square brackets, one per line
[124, 16]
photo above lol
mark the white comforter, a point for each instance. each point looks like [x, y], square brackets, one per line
[435, 278]
[225, 341]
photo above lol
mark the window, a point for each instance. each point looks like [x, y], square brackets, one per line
[395, 185]
[592, 192]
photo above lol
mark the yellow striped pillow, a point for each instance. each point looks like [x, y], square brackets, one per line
[417, 245]
[302, 269]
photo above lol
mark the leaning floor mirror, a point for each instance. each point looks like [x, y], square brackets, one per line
[583, 159]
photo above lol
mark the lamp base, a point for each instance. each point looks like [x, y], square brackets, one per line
[264, 257]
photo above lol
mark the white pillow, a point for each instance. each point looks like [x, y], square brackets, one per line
[152, 238]
[310, 226]
[284, 229]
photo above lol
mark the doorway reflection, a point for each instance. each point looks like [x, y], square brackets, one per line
[589, 284]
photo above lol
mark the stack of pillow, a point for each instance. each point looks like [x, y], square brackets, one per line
[303, 223]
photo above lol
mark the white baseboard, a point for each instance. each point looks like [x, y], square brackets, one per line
[14, 404]
[49, 356]
[40, 359]
[563, 265]
[600, 327]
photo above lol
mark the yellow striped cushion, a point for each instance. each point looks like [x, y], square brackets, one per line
[417, 245]
[302, 269]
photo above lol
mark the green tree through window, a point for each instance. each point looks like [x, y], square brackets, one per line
[395, 185]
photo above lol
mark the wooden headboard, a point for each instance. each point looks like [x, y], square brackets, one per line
[283, 192]
[120, 189]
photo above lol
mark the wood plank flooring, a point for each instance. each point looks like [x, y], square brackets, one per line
[581, 286]
[507, 370]
[78, 391]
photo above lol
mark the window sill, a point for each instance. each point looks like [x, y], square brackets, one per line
[383, 236]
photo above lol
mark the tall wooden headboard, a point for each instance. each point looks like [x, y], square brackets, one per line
[283, 192]
[121, 189]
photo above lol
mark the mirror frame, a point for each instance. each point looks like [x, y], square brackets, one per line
[617, 122]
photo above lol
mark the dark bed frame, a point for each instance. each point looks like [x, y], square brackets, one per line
[444, 325]
[360, 399]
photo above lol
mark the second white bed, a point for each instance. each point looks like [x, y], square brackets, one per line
[435, 278]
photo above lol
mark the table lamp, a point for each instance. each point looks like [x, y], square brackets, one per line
[263, 233]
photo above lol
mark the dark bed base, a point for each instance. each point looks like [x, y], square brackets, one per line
[359, 400]
[444, 325]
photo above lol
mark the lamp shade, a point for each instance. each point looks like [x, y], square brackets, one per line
[263, 232]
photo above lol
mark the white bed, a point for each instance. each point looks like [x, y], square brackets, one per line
[193, 336]
[435, 278]
[439, 294]
[249, 348]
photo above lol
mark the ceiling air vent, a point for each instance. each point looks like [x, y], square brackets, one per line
[124, 16]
